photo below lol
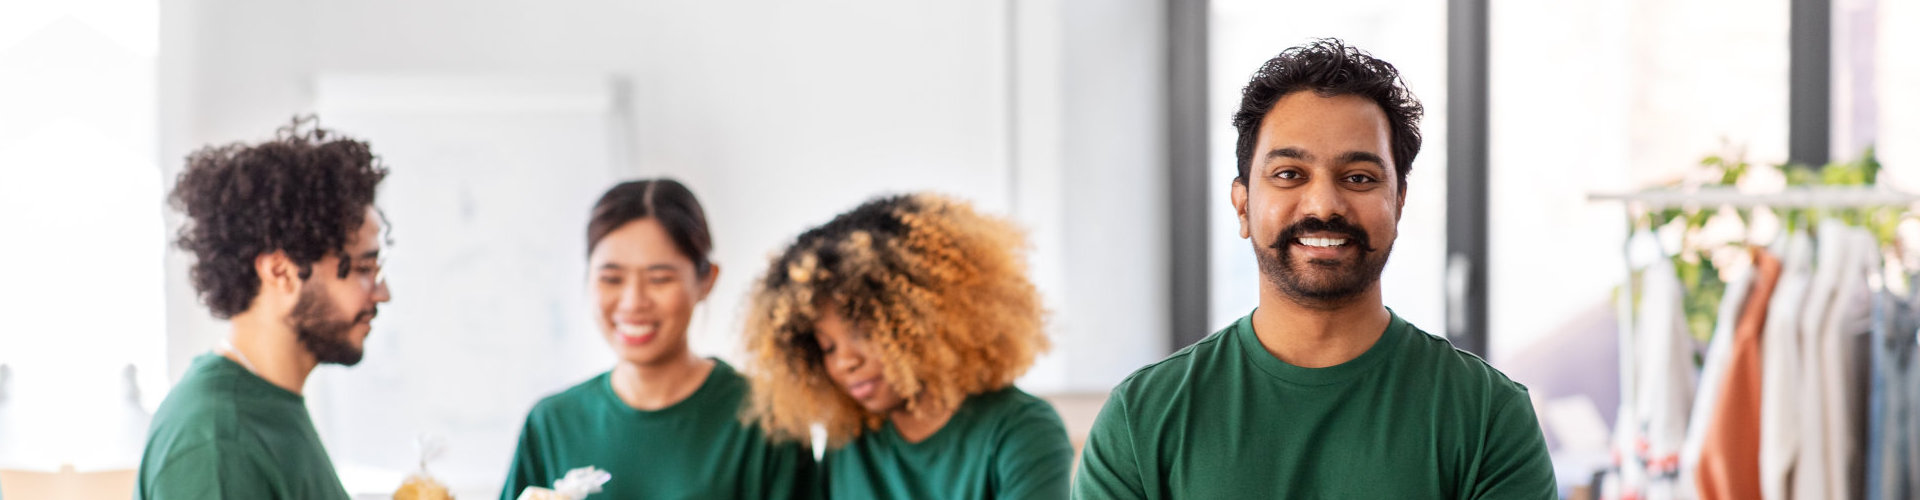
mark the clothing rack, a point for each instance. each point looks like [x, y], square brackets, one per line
[1878, 471]
[1809, 196]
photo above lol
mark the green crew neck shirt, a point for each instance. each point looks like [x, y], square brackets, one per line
[1004, 444]
[1411, 417]
[697, 448]
[225, 433]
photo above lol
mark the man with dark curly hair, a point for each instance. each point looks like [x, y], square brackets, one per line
[287, 242]
[1320, 392]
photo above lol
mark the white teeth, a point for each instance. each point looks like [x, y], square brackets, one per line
[633, 330]
[1323, 242]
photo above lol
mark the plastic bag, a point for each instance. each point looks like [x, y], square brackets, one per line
[577, 484]
[421, 485]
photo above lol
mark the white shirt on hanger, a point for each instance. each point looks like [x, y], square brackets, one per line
[1665, 396]
[1779, 380]
[1833, 259]
[1841, 388]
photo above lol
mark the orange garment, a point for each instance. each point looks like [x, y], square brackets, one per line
[1730, 460]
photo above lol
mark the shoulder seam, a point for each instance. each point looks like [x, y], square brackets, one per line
[171, 454]
[1497, 378]
[1184, 352]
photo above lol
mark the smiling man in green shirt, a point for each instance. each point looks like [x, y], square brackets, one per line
[287, 246]
[1321, 392]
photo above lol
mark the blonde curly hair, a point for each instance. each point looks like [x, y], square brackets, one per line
[939, 290]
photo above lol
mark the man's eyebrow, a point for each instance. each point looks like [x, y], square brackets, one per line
[1344, 158]
[1290, 152]
[1362, 156]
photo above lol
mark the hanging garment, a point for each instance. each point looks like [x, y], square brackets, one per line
[1888, 310]
[1833, 256]
[1664, 397]
[1908, 406]
[1780, 368]
[1842, 385]
[1713, 376]
[1906, 436]
[1729, 467]
[1627, 476]
[1892, 449]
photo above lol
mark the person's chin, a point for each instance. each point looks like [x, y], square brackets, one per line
[639, 355]
[354, 356]
[357, 341]
[1323, 279]
[874, 407]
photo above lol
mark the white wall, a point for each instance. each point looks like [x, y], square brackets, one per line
[778, 114]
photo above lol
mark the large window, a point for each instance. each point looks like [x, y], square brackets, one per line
[1611, 96]
[1893, 74]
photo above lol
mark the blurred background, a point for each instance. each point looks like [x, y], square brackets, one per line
[1099, 125]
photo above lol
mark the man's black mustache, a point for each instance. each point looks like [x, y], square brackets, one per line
[1355, 236]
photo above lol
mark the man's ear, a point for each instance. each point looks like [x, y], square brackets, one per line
[713, 276]
[277, 272]
[1239, 196]
[1400, 205]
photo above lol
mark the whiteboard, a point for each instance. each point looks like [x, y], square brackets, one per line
[491, 181]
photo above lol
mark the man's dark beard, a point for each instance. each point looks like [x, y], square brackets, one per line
[313, 322]
[1326, 282]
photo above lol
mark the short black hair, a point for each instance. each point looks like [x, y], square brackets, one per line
[304, 193]
[665, 200]
[1329, 67]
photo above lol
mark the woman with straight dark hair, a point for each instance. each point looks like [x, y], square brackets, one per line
[664, 422]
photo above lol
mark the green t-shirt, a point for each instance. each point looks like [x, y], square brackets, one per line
[1004, 444]
[1412, 417]
[697, 448]
[225, 433]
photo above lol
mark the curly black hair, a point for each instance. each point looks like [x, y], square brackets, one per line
[1329, 67]
[305, 192]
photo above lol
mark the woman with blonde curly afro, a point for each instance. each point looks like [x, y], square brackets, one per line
[900, 327]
